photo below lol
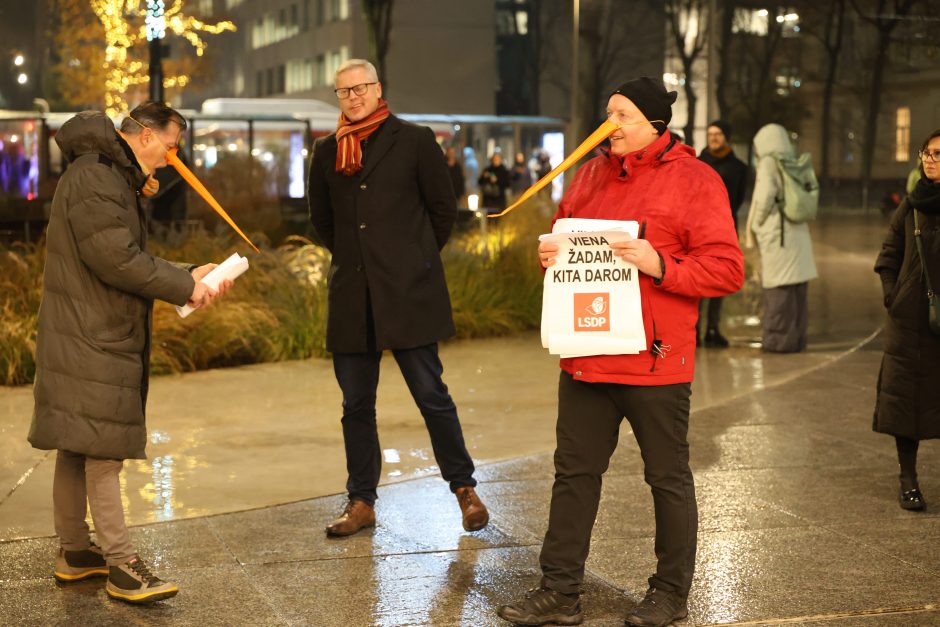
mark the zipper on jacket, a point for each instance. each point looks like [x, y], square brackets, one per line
[656, 347]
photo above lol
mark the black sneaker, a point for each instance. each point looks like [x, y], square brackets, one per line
[78, 565]
[714, 339]
[542, 606]
[658, 609]
[134, 583]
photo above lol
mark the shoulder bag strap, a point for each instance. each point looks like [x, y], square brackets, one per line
[920, 251]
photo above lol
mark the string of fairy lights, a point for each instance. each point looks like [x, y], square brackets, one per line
[128, 23]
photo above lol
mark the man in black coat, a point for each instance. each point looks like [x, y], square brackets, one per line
[733, 172]
[382, 202]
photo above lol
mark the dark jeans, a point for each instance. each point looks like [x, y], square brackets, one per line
[589, 418]
[358, 377]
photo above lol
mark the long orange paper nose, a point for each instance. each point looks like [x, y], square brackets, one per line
[187, 174]
[603, 132]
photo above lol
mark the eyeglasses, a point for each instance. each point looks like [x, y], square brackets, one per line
[343, 92]
[932, 155]
[157, 137]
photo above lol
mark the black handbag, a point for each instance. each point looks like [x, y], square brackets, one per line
[933, 301]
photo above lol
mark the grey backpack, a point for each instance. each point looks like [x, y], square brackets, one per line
[800, 200]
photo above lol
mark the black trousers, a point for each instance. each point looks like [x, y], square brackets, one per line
[589, 418]
[358, 377]
[714, 315]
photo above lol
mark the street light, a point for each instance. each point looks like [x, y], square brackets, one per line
[156, 31]
[22, 78]
[18, 60]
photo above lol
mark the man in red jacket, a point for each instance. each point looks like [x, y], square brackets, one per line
[687, 250]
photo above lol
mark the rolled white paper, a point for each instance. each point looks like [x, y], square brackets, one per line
[230, 269]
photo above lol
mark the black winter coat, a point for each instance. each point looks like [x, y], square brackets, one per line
[908, 399]
[733, 173]
[385, 226]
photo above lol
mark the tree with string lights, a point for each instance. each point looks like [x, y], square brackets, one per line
[107, 42]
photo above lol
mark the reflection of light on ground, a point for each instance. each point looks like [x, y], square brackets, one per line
[720, 581]
[159, 437]
[419, 453]
[747, 373]
[407, 590]
[391, 456]
[160, 491]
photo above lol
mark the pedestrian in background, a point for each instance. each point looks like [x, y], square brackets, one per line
[520, 179]
[494, 182]
[455, 170]
[786, 248]
[382, 202]
[93, 344]
[907, 405]
[733, 172]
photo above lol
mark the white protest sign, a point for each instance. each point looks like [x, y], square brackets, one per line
[591, 298]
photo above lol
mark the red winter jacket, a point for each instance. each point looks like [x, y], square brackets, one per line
[684, 206]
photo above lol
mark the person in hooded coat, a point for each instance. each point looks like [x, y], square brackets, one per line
[93, 343]
[786, 249]
[907, 405]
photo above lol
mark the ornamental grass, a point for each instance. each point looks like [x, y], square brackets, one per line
[277, 310]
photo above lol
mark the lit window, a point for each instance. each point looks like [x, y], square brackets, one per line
[902, 135]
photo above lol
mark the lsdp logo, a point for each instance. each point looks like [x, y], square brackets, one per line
[592, 312]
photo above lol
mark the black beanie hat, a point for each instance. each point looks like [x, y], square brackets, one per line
[651, 98]
[724, 126]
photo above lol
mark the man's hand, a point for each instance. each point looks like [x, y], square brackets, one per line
[640, 253]
[547, 253]
[202, 293]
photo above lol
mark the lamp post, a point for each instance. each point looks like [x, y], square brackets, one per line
[573, 126]
[156, 31]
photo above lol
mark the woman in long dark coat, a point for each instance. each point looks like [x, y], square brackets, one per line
[908, 401]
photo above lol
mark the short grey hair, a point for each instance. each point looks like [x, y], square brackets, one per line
[352, 64]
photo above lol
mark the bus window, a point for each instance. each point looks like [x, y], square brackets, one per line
[279, 146]
[19, 158]
[214, 141]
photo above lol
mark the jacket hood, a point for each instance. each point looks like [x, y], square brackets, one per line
[91, 132]
[772, 139]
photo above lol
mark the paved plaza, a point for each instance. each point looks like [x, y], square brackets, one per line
[799, 521]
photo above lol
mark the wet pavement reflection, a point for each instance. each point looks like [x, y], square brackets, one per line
[799, 519]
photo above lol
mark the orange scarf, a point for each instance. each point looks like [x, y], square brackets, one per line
[349, 137]
[722, 152]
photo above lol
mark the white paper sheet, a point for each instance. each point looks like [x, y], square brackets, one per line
[230, 269]
[591, 298]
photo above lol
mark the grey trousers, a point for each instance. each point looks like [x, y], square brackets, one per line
[81, 481]
[589, 419]
[786, 318]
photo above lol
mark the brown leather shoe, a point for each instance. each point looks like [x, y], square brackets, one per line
[357, 516]
[475, 516]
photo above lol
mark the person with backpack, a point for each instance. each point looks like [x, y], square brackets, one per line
[785, 199]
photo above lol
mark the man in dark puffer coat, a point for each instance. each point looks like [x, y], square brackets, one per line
[93, 345]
